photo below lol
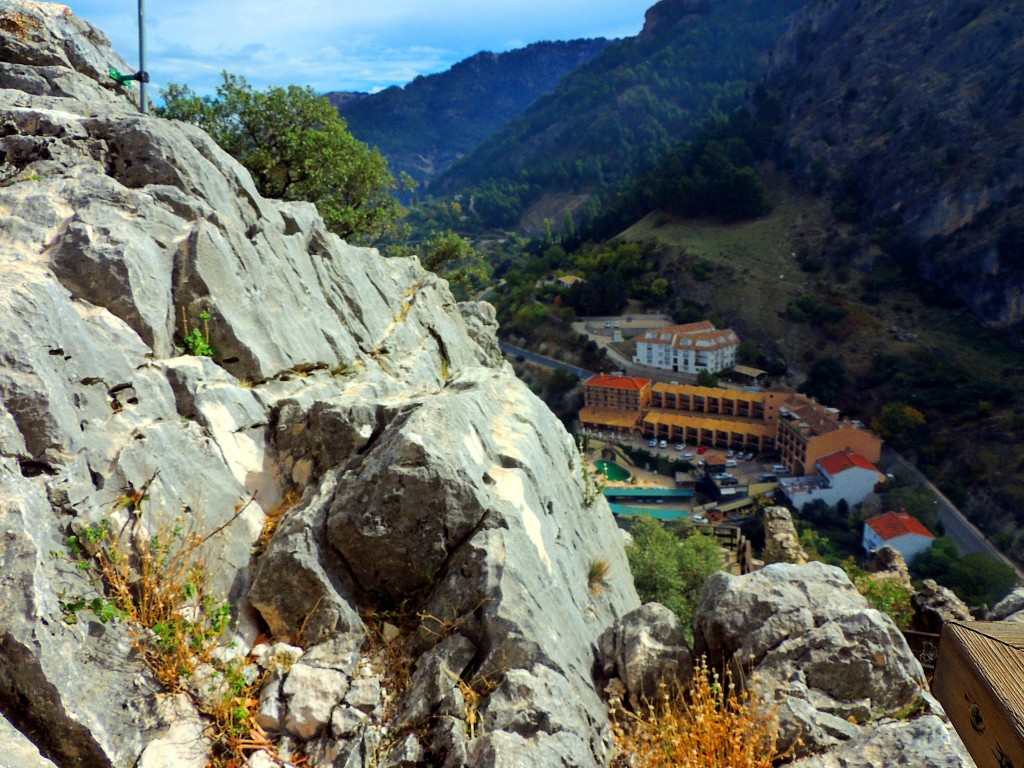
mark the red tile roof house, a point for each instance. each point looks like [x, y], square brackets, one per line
[840, 475]
[899, 530]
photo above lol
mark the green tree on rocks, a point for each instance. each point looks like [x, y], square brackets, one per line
[297, 147]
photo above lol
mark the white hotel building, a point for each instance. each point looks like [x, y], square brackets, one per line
[688, 348]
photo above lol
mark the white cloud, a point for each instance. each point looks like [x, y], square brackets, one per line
[341, 46]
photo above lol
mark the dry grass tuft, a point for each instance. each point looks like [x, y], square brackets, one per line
[159, 585]
[275, 516]
[713, 724]
[597, 576]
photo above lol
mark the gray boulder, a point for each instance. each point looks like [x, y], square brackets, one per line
[811, 643]
[646, 649]
[104, 716]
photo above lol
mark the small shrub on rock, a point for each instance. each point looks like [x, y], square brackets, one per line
[712, 724]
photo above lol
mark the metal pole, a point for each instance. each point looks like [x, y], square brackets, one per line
[142, 56]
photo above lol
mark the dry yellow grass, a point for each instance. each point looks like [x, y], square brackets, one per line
[712, 724]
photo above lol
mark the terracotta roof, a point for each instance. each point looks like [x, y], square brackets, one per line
[616, 382]
[892, 525]
[706, 421]
[692, 335]
[700, 325]
[840, 461]
[719, 392]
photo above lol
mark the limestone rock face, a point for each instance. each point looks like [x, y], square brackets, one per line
[419, 472]
[812, 644]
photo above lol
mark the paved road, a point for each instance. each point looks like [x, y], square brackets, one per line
[547, 362]
[958, 528]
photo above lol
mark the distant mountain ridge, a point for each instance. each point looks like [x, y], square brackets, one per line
[425, 126]
[613, 118]
[911, 114]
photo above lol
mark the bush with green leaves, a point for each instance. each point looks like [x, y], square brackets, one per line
[668, 569]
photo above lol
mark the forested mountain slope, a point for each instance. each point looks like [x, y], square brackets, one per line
[613, 118]
[910, 114]
[423, 127]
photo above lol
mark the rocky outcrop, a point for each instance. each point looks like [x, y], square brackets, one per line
[888, 563]
[781, 541]
[424, 480]
[926, 742]
[934, 605]
[809, 643]
[1010, 608]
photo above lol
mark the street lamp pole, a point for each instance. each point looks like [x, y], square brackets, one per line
[143, 108]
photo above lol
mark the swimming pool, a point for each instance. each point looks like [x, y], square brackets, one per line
[612, 471]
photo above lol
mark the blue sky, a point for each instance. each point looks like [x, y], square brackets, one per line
[341, 46]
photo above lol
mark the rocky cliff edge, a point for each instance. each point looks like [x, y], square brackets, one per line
[426, 490]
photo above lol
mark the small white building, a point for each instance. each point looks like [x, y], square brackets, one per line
[688, 348]
[843, 475]
[899, 530]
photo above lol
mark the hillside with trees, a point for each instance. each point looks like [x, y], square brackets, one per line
[426, 125]
[909, 116]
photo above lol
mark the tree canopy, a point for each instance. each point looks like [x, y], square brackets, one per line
[297, 147]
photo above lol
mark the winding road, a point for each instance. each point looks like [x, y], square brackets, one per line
[548, 362]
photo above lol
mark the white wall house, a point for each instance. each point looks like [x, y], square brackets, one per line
[688, 348]
[899, 530]
[838, 476]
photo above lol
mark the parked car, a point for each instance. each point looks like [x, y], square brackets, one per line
[729, 454]
[680, 446]
[731, 463]
[730, 481]
[702, 449]
[780, 469]
[653, 443]
[687, 456]
[616, 324]
[663, 444]
[768, 478]
[749, 457]
[699, 519]
[607, 323]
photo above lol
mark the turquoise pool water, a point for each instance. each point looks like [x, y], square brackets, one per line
[612, 471]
